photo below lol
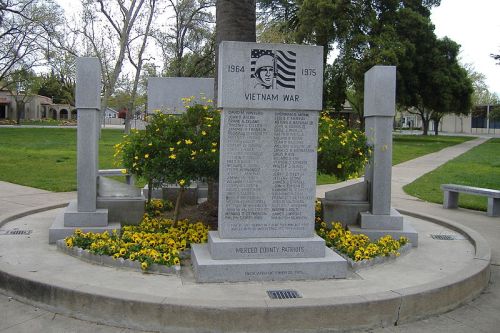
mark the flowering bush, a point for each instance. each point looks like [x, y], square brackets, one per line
[342, 152]
[154, 240]
[174, 148]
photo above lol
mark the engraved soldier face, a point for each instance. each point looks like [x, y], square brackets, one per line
[264, 71]
[266, 74]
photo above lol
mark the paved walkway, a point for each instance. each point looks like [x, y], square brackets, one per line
[480, 315]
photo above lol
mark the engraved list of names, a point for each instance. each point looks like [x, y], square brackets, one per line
[267, 173]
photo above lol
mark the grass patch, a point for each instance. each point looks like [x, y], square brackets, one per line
[323, 179]
[408, 147]
[479, 167]
[45, 158]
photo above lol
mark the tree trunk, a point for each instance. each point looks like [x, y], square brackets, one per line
[178, 204]
[436, 126]
[425, 126]
[150, 190]
[235, 20]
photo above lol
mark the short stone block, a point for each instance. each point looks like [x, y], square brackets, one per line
[74, 218]
[59, 231]
[254, 248]
[493, 207]
[206, 269]
[345, 212]
[124, 210]
[450, 199]
[394, 221]
[374, 234]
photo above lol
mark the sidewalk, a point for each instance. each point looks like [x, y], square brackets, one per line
[480, 315]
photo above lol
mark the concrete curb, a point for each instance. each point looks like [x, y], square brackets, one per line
[31, 211]
[136, 311]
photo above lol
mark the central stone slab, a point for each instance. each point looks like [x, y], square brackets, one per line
[270, 95]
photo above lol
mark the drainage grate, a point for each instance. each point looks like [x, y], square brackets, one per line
[283, 294]
[447, 237]
[15, 232]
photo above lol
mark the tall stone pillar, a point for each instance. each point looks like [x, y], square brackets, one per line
[379, 111]
[83, 213]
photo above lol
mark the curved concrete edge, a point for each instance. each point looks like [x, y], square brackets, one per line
[384, 309]
[31, 211]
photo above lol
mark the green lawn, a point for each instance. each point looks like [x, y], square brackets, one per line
[408, 147]
[478, 167]
[46, 157]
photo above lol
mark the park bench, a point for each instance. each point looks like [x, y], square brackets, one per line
[450, 199]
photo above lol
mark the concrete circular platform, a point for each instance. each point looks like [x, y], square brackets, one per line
[433, 278]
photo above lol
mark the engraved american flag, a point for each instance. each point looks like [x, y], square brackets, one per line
[285, 69]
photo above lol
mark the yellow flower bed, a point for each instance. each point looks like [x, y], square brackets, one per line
[153, 241]
[358, 246]
[355, 246]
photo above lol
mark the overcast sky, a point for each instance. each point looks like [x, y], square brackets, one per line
[475, 25]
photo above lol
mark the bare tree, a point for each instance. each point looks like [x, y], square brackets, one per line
[26, 30]
[108, 28]
[136, 57]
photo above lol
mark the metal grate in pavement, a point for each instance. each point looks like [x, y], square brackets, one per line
[447, 237]
[15, 232]
[283, 294]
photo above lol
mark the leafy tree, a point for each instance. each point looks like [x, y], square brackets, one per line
[482, 95]
[188, 41]
[22, 84]
[61, 90]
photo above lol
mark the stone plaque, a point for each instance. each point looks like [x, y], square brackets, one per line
[270, 76]
[267, 173]
[166, 93]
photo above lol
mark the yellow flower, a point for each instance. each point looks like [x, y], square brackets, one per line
[124, 171]
[193, 152]
[339, 166]
[179, 142]
[182, 182]
[214, 144]
[150, 144]
[144, 266]
[135, 157]
[172, 157]
[203, 133]
[177, 261]
[171, 148]
[213, 150]
[188, 141]
[320, 149]
[146, 156]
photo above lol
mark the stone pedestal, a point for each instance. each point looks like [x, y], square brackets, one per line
[267, 178]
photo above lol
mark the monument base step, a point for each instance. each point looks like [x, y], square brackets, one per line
[392, 221]
[407, 231]
[206, 269]
[58, 231]
[75, 218]
[265, 248]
